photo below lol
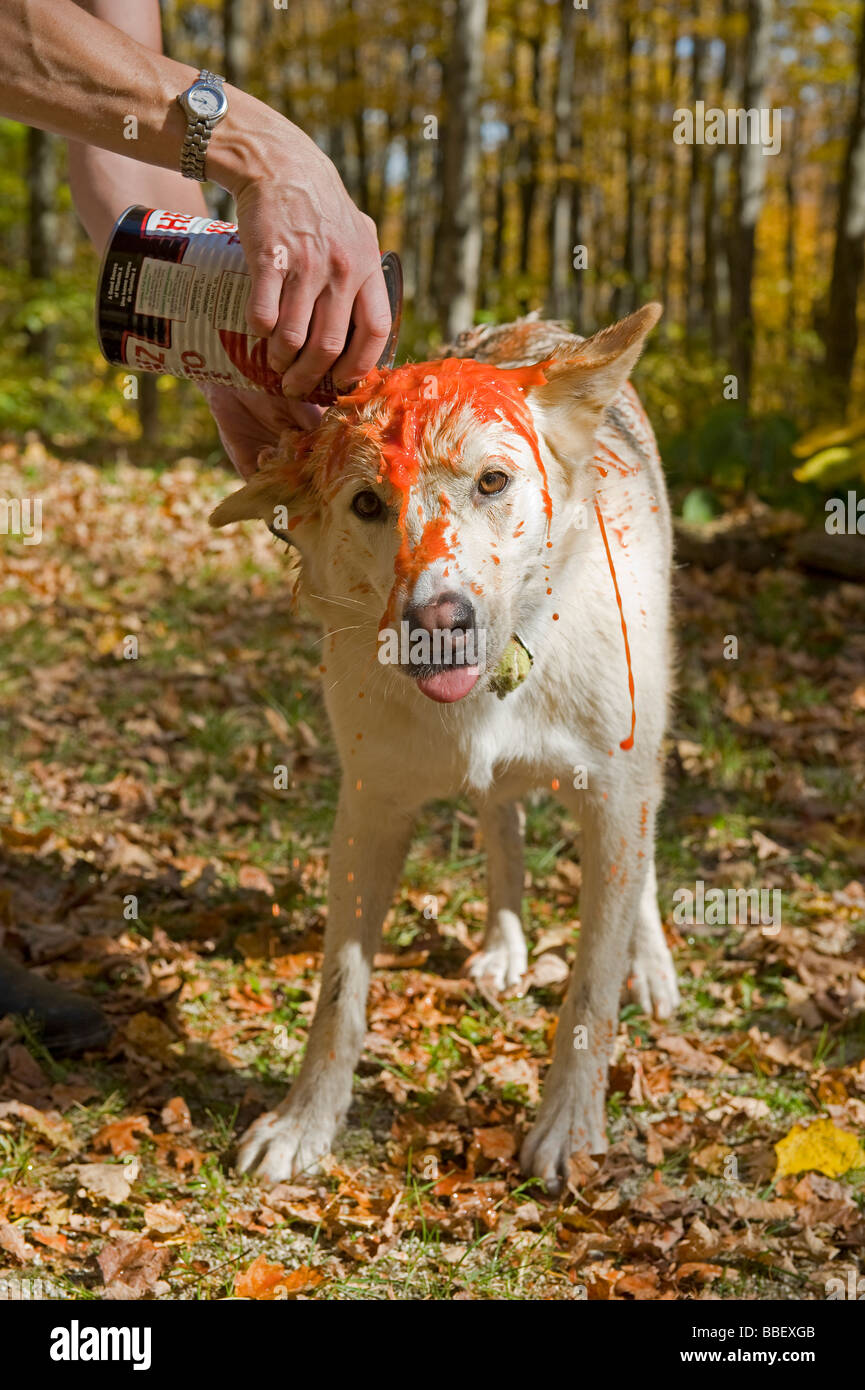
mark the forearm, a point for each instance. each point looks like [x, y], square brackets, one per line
[103, 183]
[95, 74]
[65, 70]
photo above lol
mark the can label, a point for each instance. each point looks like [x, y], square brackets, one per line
[172, 299]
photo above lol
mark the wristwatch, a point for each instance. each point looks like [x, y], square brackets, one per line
[205, 104]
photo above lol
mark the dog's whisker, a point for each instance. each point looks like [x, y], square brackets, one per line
[341, 599]
[334, 632]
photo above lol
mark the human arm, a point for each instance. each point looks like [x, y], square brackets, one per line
[68, 70]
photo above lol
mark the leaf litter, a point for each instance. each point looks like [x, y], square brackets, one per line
[147, 859]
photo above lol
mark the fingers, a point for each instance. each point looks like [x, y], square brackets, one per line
[372, 324]
[328, 330]
[292, 327]
[327, 278]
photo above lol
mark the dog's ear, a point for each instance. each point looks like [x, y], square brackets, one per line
[279, 494]
[260, 498]
[584, 378]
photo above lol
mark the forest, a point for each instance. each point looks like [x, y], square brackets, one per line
[528, 156]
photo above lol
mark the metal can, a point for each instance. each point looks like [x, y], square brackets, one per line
[172, 299]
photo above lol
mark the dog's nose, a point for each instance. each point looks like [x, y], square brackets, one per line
[449, 611]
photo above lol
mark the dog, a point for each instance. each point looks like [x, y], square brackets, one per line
[509, 498]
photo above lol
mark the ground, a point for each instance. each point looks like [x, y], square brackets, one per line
[151, 856]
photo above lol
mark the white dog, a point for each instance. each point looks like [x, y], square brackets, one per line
[518, 511]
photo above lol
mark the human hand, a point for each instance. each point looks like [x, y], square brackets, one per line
[313, 256]
[249, 421]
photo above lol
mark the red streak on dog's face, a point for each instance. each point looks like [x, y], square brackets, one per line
[393, 410]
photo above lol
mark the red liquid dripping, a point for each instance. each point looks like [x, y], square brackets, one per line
[628, 742]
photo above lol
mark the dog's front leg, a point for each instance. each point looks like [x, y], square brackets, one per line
[617, 841]
[367, 851]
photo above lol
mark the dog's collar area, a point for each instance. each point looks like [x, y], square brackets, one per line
[513, 668]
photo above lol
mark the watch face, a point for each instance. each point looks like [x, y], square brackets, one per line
[206, 101]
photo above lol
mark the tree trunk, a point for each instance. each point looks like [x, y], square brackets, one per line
[459, 237]
[497, 250]
[750, 187]
[716, 267]
[666, 201]
[358, 118]
[790, 237]
[634, 253]
[42, 226]
[411, 200]
[840, 331]
[564, 233]
[528, 167]
[235, 69]
[694, 205]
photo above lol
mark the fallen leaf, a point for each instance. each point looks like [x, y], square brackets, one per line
[121, 1136]
[163, 1218]
[12, 1241]
[757, 1209]
[303, 1278]
[25, 839]
[131, 1266]
[821, 1146]
[150, 1036]
[642, 1285]
[55, 1240]
[547, 969]
[109, 1182]
[496, 1142]
[266, 1281]
[48, 1123]
[248, 876]
[175, 1115]
[696, 1269]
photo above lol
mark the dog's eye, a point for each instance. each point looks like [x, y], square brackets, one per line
[367, 505]
[493, 481]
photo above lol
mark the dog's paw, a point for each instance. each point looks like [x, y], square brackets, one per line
[562, 1128]
[283, 1143]
[652, 983]
[500, 966]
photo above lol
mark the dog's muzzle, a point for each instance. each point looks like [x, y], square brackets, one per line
[444, 656]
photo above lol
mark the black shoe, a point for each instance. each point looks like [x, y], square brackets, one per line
[66, 1023]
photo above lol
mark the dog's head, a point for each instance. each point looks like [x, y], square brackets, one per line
[423, 504]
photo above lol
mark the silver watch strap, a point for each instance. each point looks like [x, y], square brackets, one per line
[194, 149]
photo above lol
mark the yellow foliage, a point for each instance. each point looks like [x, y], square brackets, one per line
[821, 1147]
[835, 465]
[827, 436]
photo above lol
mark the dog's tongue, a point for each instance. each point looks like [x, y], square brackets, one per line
[449, 685]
